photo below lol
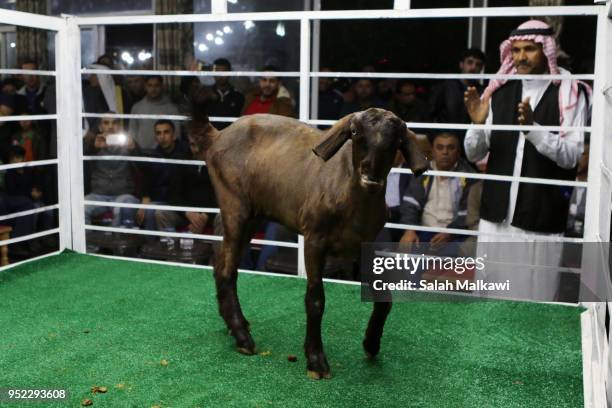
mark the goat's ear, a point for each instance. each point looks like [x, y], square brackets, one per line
[334, 138]
[413, 155]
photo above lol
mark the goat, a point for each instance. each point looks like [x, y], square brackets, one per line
[328, 186]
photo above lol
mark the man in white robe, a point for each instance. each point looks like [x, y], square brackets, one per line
[530, 50]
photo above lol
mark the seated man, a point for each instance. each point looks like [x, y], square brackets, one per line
[159, 177]
[226, 100]
[407, 105]
[331, 100]
[191, 188]
[25, 183]
[365, 97]
[156, 102]
[270, 96]
[434, 201]
[111, 180]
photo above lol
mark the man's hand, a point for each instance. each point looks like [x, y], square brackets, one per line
[130, 143]
[477, 108]
[197, 221]
[140, 214]
[100, 141]
[36, 194]
[409, 237]
[525, 114]
[439, 239]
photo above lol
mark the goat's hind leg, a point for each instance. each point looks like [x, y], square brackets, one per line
[235, 235]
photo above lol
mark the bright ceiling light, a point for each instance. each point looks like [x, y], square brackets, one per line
[280, 29]
[202, 47]
[218, 40]
[219, 33]
[227, 30]
[210, 36]
[249, 24]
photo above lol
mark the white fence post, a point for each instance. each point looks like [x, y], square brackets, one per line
[69, 136]
[304, 109]
[596, 352]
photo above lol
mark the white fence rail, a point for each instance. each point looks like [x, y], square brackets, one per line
[69, 117]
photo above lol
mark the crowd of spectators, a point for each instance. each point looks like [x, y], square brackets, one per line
[425, 200]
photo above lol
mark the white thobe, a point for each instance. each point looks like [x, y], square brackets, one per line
[565, 151]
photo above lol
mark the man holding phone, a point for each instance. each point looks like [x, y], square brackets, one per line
[110, 180]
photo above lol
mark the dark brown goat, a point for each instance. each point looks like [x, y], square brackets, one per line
[314, 183]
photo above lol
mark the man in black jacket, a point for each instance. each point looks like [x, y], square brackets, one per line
[191, 188]
[446, 102]
[160, 176]
[225, 100]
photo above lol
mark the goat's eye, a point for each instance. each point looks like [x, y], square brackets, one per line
[353, 132]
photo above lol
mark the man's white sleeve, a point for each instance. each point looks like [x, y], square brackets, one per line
[476, 142]
[565, 150]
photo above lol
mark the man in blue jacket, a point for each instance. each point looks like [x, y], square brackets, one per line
[436, 201]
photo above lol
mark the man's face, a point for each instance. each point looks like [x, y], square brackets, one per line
[528, 57]
[16, 159]
[406, 94]
[31, 81]
[164, 135]
[269, 86]
[445, 152]
[9, 89]
[364, 89]
[471, 65]
[25, 124]
[221, 81]
[108, 126]
[136, 85]
[6, 110]
[153, 88]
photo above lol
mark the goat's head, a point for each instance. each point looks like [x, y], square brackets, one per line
[376, 136]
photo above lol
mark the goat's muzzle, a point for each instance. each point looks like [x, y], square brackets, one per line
[371, 185]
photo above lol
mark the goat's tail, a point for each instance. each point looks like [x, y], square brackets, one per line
[200, 129]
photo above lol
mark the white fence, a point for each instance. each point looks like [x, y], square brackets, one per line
[596, 343]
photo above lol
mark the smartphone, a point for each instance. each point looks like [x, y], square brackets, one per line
[116, 139]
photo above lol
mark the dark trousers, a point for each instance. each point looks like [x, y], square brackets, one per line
[21, 225]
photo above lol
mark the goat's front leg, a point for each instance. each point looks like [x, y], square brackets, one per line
[371, 343]
[317, 366]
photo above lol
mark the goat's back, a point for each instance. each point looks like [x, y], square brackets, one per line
[266, 162]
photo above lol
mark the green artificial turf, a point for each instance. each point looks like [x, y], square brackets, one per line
[74, 321]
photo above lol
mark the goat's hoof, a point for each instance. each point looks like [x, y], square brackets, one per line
[371, 348]
[316, 375]
[245, 351]
[317, 366]
[244, 342]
